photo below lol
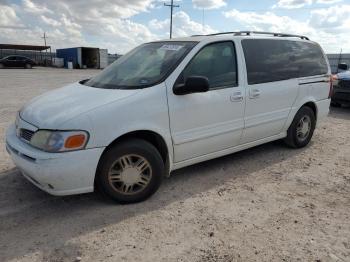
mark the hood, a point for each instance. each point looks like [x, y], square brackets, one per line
[54, 108]
[345, 75]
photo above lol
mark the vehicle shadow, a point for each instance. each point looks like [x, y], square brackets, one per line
[340, 112]
[31, 220]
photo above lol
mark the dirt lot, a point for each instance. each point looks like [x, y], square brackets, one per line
[268, 203]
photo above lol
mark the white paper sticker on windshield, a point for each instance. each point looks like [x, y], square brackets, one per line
[171, 47]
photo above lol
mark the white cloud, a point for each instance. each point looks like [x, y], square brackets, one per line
[8, 17]
[268, 21]
[328, 2]
[109, 23]
[68, 23]
[290, 4]
[332, 19]
[327, 26]
[50, 21]
[31, 7]
[208, 4]
[293, 4]
[84, 10]
[182, 26]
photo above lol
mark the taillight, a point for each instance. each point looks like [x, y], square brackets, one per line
[331, 79]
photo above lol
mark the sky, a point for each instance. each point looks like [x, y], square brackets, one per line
[120, 25]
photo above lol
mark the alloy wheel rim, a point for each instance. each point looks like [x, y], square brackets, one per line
[130, 174]
[304, 127]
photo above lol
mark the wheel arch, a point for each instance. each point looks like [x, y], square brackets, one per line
[313, 106]
[157, 140]
[309, 102]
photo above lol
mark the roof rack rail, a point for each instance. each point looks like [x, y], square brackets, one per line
[261, 33]
[271, 33]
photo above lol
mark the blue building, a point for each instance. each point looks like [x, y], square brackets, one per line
[84, 57]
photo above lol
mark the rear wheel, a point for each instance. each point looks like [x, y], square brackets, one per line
[131, 171]
[2, 66]
[302, 128]
[28, 66]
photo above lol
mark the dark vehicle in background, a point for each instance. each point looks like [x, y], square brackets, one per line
[341, 86]
[16, 61]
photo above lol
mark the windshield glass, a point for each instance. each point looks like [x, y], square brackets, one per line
[144, 66]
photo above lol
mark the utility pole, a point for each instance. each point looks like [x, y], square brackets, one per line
[171, 15]
[45, 37]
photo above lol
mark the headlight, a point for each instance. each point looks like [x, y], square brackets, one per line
[59, 141]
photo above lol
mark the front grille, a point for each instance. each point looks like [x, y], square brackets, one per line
[26, 134]
[344, 83]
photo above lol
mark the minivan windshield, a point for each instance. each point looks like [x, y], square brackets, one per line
[144, 66]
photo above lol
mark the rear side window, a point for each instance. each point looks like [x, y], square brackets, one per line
[275, 60]
[215, 61]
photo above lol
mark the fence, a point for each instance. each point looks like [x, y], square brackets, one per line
[41, 58]
[335, 59]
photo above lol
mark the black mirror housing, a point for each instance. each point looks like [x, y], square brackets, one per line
[343, 66]
[193, 84]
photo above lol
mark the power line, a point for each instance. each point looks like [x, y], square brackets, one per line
[171, 15]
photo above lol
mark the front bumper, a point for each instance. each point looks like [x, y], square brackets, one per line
[58, 174]
[341, 95]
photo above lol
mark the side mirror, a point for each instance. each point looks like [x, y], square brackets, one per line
[84, 81]
[193, 84]
[343, 66]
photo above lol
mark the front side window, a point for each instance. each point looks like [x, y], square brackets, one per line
[217, 62]
[144, 66]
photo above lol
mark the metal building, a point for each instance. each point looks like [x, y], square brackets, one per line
[335, 59]
[84, 57]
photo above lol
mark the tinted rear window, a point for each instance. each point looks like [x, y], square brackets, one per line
[274, 60]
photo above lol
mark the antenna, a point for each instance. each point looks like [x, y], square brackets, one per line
[339, 59]
[203, 20]
[171, 15]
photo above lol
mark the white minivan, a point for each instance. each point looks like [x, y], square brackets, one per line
[169, 104]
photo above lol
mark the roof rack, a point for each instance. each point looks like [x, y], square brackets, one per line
[260, 33]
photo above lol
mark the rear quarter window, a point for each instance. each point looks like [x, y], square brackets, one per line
[275, 60]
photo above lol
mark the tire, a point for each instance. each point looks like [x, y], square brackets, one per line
[2, 66]
[118, 174]
[296, 135]
[27, 66]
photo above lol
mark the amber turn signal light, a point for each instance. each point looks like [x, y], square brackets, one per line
[75, 141]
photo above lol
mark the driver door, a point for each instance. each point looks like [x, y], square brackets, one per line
[205, 123]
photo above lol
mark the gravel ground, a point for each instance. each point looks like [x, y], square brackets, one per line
[269, 203]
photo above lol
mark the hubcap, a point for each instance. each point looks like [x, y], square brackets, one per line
[130, 174]
[304, 127]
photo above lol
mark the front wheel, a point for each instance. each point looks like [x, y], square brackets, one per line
[2, 66]
[28, 66]
[302, 128]
[131, 171]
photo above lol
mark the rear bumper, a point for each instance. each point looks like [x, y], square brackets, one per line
[56, 173]
[322, 109]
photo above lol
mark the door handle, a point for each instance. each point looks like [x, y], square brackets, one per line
[254, 93]
[236, 96]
